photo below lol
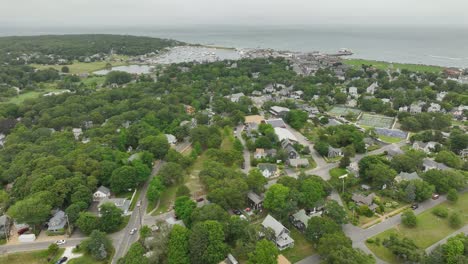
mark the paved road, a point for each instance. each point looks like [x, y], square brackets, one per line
[123, 240]
[238, 134]
[442, 241]
[71, 242]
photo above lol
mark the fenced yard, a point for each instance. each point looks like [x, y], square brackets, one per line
[376, 121]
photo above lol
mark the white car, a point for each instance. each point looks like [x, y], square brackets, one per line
[60, 242]
[133, 231]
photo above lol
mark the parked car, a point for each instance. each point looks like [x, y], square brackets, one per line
[62, 260]
[60, 242]
[435, 196]
[138, 203]
[133, 231]
[23, 230]
[201, 199]
[414, 206]
[243, 165]
[236, 211]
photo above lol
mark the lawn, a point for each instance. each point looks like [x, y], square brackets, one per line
[430, 228]
[166, 200]
[390, 139]
[335, 172]
[302, 248]
[82, 67]
[32, 257]
[30, 95]
[135, 199]
[386, 65]
[86, 259]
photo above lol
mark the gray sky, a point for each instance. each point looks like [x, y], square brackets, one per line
[62, 13]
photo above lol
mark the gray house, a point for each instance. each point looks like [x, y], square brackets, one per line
[58, 222]
[282, 238]
[404, 176]
[121, 203]
[334, 152]
[255, 201]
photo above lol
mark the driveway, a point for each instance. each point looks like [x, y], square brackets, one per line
[70, 255]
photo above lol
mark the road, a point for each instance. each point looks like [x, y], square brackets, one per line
[246, 152]
[6, 249]
[123, 240]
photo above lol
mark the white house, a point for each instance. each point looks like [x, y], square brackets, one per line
[101, 193]
[371, 88]
[427, 147]
[282, 238]
[235, 97]
[353, 91]
[433, 108]
[171, 139]
[268, 170]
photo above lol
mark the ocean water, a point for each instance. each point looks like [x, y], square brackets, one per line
[445, 46]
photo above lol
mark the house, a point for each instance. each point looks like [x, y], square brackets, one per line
[334, 152]
[289, 148]
[427, 147]
[301, 218]
[368, 200]
[271, 152]
[333, 122]
[57, 222]
[464, 153]
[268, 170]
[353, 168]
[171, 139]
[403, 109]
[257, 93]
[296, 163]
[404, 176]
[276, 122]
[77, 133]
[353, 91]
[284, 134]
[121, 203]
[351, 103]
[433, 108]
[101, 193]
[259, 153]
[189, 109]
[269, 89]
[429, 164]
[236, 97]
[5, 223]
[255, 201]
[371, 89]
[393, 152]
[416, 108]
[257, 119]
[441, 96]
[278, 110]
[297, 94]
[250, 128]
[282, 238]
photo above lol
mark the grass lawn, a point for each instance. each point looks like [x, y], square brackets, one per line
[386, 65]
[430, 228]
[390, 139]
[94, 81]
[32, 257]
[167, 199]
[81, 67]
[86, 259]
[302, 248]
[30, 95]
[135, 199]
[335, 172]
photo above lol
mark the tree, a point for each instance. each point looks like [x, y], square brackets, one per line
[331, 242]
[340, 98]
[184, 207]
[311, 192]
[111, 217]
[206, 243]
[345, 161]
[449, 158]
[404, 249]
[73, 211]
[345, 255]
[182, 190]
[156, 145]
[123, 179]
[256, 181]
[87, 222]
[319, 226]
[145, 232]
[97, 245]
[296, 118]
[452, 195]
[276, 199]
[408, 218]
[32, 211]
[118, 77]
[52, 249]
[454, 249]
[155, 188]
[265, 252]
[209, 212]
[321, 147]
[455, 220]
[135, 255]
[171, 173]
[423, 190]
[65, 69]
[178, 249]
[335, 212]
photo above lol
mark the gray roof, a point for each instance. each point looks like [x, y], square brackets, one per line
[407, 176]
[276, 122]
[255, 197]
[298, 162]
[302, 216]
[121, 203]
[367, 200]
[58, 221]
[104, 189]
[272, 223]
[433, 164]
[267, 166]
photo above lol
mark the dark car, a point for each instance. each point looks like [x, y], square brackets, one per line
[62, 260]
[243, 165]
[237, 212]
[23, 230]
[414, 206]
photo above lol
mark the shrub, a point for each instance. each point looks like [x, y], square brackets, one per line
[364, 210]
[452, 195]
[455, 220]
[370, 240]
[441, 212]
[409, 219]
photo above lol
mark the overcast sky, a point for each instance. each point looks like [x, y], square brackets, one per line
[63, 13]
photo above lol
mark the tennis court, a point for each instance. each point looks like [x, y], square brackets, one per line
[376, 121]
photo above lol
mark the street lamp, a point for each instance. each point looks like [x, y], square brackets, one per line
[343, 177]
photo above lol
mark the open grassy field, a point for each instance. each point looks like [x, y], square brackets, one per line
[430, 229]
[335, 172]
[390, 139]
[82, 67]
[32, 257]
[85, 259]
[342, 111]
[386, 65]
[302, 248]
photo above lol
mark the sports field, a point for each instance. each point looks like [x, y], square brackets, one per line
[376, 121]
[342, 111]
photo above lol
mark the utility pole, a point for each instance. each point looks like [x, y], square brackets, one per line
[69, 228]
[343, 178]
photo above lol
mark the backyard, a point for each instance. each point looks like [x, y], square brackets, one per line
[429, 230]
[302, 248]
